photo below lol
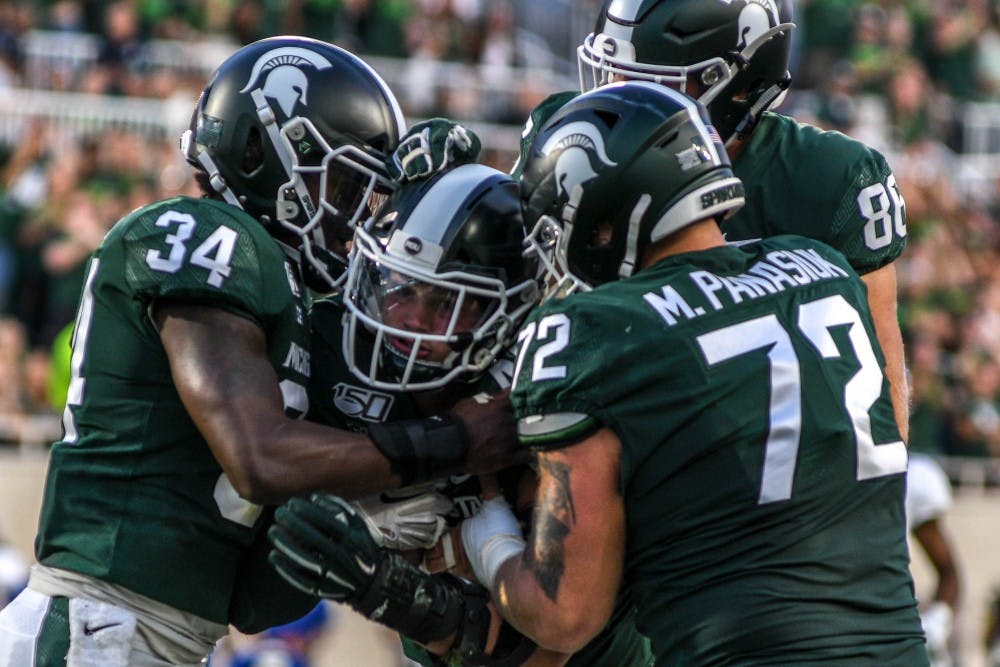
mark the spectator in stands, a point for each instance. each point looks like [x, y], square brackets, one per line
[373, 27]
[121, 47]
[427, 41]
[247, 21]
[931, 396]
[977, 422]
[497, 57]
[77, 230]
[15, 17]
[822, 27]
[837, 108]
[13, 346]
[987, 62]
[953, 28]
[868, 45]
[25, 415]
[910, 97]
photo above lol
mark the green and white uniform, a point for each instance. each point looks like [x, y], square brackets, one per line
[802, 180]
[338, 398]
[133, 491]
[762, 471]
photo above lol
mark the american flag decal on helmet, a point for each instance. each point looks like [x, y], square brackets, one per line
[713, 134]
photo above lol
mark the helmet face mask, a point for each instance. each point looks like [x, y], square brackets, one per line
[331, 191]
[731, 55]
[547, 243]
[435, 292]
[612, 172]
[294, 131]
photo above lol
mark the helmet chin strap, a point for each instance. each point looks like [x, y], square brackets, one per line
[266, 116]
[766, 100]
[291, 252]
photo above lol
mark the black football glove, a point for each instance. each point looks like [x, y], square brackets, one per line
[324, 547]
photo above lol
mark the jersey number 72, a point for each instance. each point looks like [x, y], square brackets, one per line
[815, 318]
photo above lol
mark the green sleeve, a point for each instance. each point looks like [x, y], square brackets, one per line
[205, 252]
[555, 396]
[824, 185]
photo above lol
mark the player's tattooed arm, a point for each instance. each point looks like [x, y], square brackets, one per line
[561, 590]
[554, 518]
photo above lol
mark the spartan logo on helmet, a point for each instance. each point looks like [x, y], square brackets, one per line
[284, 80]
[757, 18]
[577, 141]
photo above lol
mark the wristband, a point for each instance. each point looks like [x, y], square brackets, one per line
[422, 449]
[495, 552]
[490, 538]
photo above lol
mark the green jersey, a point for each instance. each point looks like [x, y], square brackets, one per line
[762, 470]
[133, 485]
[340, 399]
[802, 180]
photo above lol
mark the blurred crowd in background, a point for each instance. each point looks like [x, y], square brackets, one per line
[917, 79]
[899, 75]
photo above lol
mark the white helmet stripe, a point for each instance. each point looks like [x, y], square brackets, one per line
[625, 10]
[443, 201]
[695, 206]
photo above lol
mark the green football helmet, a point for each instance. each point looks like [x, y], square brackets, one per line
[737, 52]
[614, 170]
[439, 282]
[295, 132]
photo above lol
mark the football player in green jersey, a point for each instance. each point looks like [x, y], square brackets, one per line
[436, 291]
[189, 371]
[712, 424]
[733, 55]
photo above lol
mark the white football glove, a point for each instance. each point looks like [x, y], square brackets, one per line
[490, 538]
[936, 620]
[416, 522]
